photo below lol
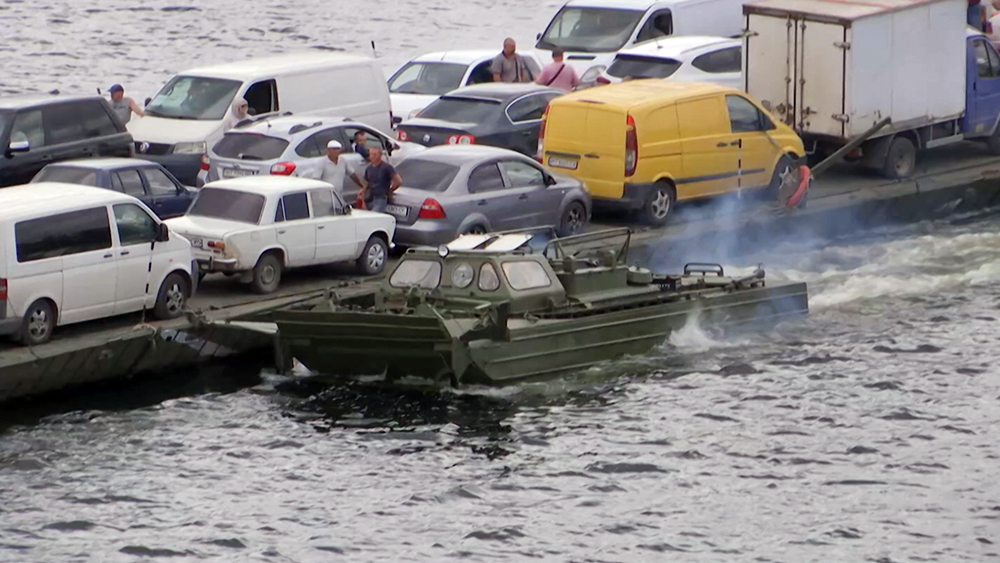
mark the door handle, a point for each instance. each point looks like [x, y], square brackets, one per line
[124, 252]
[281, 232]
[320, 228]
[108, 255]
[481, 202]
[737, 143]
[722, 145]
[592, 155]
[523, 196]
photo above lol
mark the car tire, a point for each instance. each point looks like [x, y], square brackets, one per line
[900, 160]
[37, 325]
[374, 257]
[267, 274]
[573, 220]
[783, 167]
[658, 204]
[476, 229]
[172, 297]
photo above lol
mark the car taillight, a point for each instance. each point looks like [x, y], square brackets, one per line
[402, 135]
[602, 80]
[3, 289]
[431, 209]
[216, 244]
[631, 147]
[461, 140]
[283, 169]
[204, 162]
[540, 149]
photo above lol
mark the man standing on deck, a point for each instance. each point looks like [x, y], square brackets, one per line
[508, 66]
[382, 180]
[558, 74]
[122, 106]
[335, 170]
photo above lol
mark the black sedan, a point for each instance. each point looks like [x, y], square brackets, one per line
[499, 115]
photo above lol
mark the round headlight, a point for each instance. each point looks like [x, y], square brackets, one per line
[443, 251]
[462, 275]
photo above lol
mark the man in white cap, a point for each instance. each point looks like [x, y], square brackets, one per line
[335, 170]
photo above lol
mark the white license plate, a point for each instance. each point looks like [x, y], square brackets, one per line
[569, 163]
[396, 210]
[237, 173]
[196, 242]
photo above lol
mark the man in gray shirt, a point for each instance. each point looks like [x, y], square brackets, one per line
[509, 66]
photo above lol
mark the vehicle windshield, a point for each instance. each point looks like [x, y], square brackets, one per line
[460, 110]
[250, 146]
[590, 30]
[426, 175]
[230, 205]
[416, 273]
[427, 78]
[67, 174]
[637, 66]
[194, 97]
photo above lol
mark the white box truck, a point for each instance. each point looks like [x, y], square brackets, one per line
[832, 69]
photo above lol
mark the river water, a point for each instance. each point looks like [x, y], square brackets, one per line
[866, 432]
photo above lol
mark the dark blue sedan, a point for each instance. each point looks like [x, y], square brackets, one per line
[148, 181]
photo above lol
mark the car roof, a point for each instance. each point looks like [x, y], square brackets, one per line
[633, 93]
[677, 45]
[104, 163]
[622, 4]
[458, 154]
[283, 125]
[268, 185]
[32, 100]
[461, 56]
[277, 65]
[55, 197]
[499, 92]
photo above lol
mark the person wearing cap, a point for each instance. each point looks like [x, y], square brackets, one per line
[122, 106]
[558, 74]
[335, 170]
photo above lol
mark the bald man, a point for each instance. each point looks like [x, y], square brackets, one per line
[508, 66]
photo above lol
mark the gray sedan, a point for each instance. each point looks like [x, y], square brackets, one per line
[453, 190]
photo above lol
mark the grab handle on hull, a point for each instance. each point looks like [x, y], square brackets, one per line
[703, 268]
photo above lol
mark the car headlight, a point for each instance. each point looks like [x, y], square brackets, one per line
[191, 148]
[592, 73]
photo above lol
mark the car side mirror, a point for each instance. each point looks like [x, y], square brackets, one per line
[18, 146]
[146, 103]
[162, 232]
[538, 36]
[549, 181]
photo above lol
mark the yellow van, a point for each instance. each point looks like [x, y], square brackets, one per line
[644, 144]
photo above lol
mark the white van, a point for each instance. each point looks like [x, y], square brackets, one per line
[72, 253]
[188, 114]
[593, 31]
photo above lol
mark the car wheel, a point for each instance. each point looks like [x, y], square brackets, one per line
[172, 298]
[900, 160]
[373, 258]
[36, 327]
[476, 230]
[659, 202]
[781, 171]
[266, 274]
[573, 219]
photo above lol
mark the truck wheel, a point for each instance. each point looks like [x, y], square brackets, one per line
[900, 160]
[373, 258]
[573, 219]
[659, 202]
[36, 328]
[172, 298]
[266, 274]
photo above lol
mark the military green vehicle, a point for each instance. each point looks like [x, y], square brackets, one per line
[496, 309]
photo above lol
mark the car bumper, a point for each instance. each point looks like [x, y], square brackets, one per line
[633, 198]
[9, 326]
[184, 167]
[423, 233]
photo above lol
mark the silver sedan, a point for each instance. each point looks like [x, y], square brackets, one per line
[453, 190]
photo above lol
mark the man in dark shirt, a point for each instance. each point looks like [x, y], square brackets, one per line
[382, 180]
[360, 144]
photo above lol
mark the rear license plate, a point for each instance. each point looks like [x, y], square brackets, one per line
[396, 210]
[196, 242]
[569, 163]
[237, 173]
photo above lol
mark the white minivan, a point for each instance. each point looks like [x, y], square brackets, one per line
[593, 31]
[189, 113]
[72, 253]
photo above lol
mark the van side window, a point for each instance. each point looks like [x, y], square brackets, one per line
[75, 232]
[296, 206]
[486, 178]
[96, 120]
[262, 97]
[744, 117]
[28, 127]
[63, 124]
[723, 60]
[135, 226]
[660, 24]
[130, 181]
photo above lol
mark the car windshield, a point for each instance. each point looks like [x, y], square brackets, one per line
[250, 146]
[427, 78]
[427, 175]
[460, 110]
[636, 66]
[67, 174]
[230, 205]
[590, 30]
[416, 273]
[194, 97]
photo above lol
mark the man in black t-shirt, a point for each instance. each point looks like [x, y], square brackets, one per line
[382, 180]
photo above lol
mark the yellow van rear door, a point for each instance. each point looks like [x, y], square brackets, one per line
[587, 140]
[710, 149]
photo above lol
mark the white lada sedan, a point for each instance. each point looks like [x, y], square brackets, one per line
[257, 227]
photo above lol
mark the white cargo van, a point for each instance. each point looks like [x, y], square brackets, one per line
[593, 31]
[188, 114]
[73, 253]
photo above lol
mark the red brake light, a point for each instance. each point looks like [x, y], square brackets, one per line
[431, 209]
[602, 80]
[402, 135]
[283, 169]
[204, 162]
[461, 140]
[3, 289]
[631, 147]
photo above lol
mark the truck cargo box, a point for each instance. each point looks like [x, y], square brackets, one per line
[834, 68]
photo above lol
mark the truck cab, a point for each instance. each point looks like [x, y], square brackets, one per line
[982, 94]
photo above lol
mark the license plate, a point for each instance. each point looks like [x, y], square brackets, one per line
[569, 163]
[196, 242]
[396, 210]
[237, 173]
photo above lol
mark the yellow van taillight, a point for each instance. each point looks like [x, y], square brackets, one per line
[631, 147]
